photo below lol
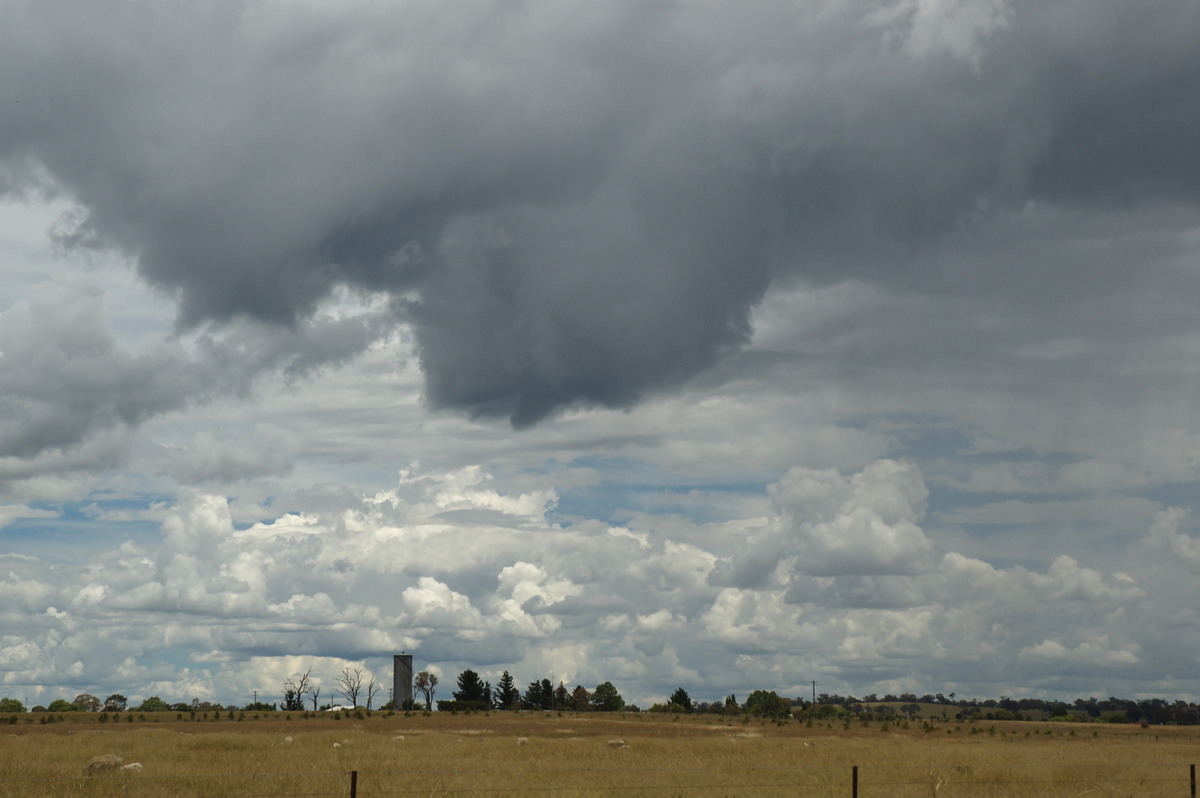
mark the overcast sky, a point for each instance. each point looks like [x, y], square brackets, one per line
[702, 344]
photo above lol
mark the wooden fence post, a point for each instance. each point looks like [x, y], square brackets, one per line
[354, 784]
[1193, 780]
[854, 781]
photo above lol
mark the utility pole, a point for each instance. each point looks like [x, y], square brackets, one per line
[814, 693]
[256, 699]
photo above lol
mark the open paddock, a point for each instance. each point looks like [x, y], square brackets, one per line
[589, 754]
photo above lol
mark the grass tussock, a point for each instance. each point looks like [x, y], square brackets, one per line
[576, 755]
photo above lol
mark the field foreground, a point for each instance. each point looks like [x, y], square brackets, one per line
[591, 754]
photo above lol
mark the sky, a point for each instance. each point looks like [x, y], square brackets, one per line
[723, 346]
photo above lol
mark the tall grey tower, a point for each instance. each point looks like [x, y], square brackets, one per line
[402, 681]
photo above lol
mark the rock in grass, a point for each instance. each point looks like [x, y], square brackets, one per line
[102, 763]
[614, 743]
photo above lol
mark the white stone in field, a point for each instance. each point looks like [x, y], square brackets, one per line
[614, 743]
[132, 767]
[522, 741]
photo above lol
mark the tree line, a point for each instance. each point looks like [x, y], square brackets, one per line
[475, 694]
[362, 690]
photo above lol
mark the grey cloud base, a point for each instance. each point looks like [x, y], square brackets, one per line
[579, 207]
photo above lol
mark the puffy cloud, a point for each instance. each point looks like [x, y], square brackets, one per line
[587, 603]
[1099, 652]
[866, 524]
[12, 512]
[1165, 534]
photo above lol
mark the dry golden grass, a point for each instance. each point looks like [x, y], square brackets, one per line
[571, 754]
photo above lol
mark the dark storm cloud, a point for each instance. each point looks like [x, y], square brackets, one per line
[579, 205]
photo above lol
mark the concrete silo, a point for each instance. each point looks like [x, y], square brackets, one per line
[402, 681]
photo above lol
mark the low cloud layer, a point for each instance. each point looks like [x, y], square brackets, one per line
[447, 565]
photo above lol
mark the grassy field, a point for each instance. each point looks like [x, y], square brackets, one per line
[579, 754]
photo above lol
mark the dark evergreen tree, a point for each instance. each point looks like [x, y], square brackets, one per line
[506, 694]
[292, 701]
[562, 699]
[539, 695]
[470, 688]
[682, 699]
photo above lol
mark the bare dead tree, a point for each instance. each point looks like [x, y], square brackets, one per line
[316, 692]
[350, 684]
[294, 691]
[373, 689]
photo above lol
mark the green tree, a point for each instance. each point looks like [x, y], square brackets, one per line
[471, 688]
[86, 702]
[606, 698]
[767, 704]
[562, 699]
[61, 705]
[581, 699]
[506, 693]
[115, 703]
[682, 699]
[292, 702]
[11, 705]
[153, 704]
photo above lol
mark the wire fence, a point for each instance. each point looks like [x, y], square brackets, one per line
[948, 781]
